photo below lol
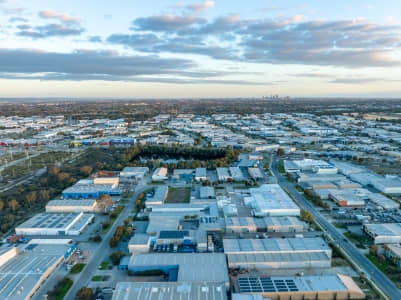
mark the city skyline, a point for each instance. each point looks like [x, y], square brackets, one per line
[199, 49]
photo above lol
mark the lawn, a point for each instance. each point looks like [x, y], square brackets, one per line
[97, 278]
[104, 265]
[77, 268]
[178, 195]
[61, 289]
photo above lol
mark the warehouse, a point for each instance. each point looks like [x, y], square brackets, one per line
[383, 201]
[170, 290]
[188, 267]
[93, 191]
[255, 173]
[200, 174]
[71, 206]
[160, 174]
[277, 253]
[207, 192]
[266, 224]
[222, 174]
[133, 173]
[159, 195]
[55, 224]
[388, 186]
[106, 180]
[348, 168]
[22, 274]
[349, 197]
[327, 287]
[139, 244]
[389, 233]
[271, 200]
[236, 174]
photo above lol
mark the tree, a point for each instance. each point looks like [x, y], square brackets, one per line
[1, 205]
[280, 151]
[86, 170]
[105, 201]
[115, 257]
[97, 238]
[85, 294]
[307, 216]
[30, 198]
[13, 204]
[373, 249]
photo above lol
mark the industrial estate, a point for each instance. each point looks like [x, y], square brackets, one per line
[188, 206]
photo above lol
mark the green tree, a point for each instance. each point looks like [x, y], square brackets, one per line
[115, 257]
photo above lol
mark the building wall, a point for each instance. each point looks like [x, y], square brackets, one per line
[8, 255]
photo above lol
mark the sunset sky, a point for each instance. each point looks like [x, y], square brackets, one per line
[221, 48]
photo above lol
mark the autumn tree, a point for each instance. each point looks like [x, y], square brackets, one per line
[85, 293]
[13, 204]
[86, 170]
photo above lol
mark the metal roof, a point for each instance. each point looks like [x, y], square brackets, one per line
[170, 290]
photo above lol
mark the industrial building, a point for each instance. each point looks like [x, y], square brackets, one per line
[55, 224]
[255, 173]
[316, 166]
[184, 267]
[383, 201]
[24, 269]
[236, 174]
[160, 174]
[200, 174]
[139, 244]
[389, 233]
[207, 192]
[223, 174]
[266, 224]
[349, 197]
[388, 186]
[271, 200]
[93, 191]
[170, 290]
[328, 287]
[133, 173]
[159, 195]
[71, 206]
[277, 253]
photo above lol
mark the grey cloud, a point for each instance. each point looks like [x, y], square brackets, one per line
[87, 62]
[51, 30]
[17, 19]
[95, 39]
[165, 23]
[135, 41]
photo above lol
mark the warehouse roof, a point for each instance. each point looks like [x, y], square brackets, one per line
[170, 290]
[66, 202]
[173, 234]
[191, 266]
[50, 220]
[383, 201]
[275, 245]
[270, 197]
[389, 229]
[325, 283]
[20, 275]
[284, 258]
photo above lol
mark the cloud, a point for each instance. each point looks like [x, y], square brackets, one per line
[88, 62]
[199, 7]
[95, 39]
[50, 30]
[166, 22]
[17, 19]
[84, 65]
[51, 14]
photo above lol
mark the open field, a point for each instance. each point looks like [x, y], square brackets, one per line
[178, 195]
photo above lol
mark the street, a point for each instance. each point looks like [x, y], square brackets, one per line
[370, 270]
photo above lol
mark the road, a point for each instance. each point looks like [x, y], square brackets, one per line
[104, 249]
[362, 261]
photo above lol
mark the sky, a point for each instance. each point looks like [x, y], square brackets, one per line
[195, 49]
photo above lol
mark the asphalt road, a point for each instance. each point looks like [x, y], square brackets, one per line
[362, 261]
[104, 249]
